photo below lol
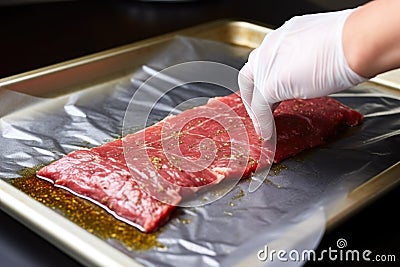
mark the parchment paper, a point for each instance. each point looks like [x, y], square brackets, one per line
[233, 228]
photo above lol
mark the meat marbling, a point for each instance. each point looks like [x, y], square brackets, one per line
[198, 147]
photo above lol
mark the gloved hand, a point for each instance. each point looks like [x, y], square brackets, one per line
[303, 58]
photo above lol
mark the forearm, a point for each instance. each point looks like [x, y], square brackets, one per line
[371, 38]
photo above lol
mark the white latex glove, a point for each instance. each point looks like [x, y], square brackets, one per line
[303, 58]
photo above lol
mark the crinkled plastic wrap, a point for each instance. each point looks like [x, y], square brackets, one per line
[288, 207]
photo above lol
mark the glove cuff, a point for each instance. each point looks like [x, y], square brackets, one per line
[349, 77]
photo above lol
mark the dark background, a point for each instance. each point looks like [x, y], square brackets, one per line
[35, 34]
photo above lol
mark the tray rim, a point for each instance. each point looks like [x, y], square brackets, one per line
[13, 81]
[40, 218]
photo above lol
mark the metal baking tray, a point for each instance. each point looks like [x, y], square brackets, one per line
[110, 65]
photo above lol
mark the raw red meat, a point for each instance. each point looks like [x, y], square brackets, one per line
[303, 124]
[100, 174]
[198, 147]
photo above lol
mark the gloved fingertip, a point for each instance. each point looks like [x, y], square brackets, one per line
[264, 131]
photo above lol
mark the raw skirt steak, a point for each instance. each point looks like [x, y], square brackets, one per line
[180, 154]
[302, 124]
